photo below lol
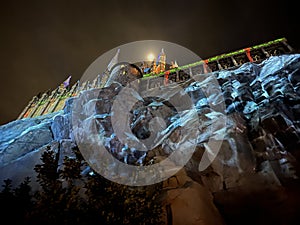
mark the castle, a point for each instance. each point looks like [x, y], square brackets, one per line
[54, 101]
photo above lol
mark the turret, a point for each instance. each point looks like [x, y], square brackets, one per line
[51, 100]
[39, 106]
[162, 61]
[25, 113]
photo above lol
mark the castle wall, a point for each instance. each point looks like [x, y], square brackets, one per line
[56, 100]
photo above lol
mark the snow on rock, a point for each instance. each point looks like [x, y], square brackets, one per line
[20, 137]
[259, 143]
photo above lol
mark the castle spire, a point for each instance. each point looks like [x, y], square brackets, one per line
[106, 74]
[162, 61]
[114, 60]
[66, 83]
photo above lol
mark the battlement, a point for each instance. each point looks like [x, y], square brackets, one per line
[55, 101]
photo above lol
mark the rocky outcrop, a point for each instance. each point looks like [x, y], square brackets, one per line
[188, 202]
[259, 143]
[20, 137]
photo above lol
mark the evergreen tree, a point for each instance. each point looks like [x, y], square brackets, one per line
[115, 203]
[71, 173]
[15, 203]
[50, 200]
[8, 202]
[23, 199]
[67, 197]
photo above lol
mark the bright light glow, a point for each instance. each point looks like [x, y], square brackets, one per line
[150, 57]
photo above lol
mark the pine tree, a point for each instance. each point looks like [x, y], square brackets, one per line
[67, 197]
[50, 200]
[114, 203]
[15, 203]
[75, 205]
[8, 202]
[24, 201]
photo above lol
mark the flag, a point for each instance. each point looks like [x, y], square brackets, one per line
[67, 82]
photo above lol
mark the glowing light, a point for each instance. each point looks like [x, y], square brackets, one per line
[150, 57]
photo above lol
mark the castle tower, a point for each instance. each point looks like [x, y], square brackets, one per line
[162, 61]
[106, 77]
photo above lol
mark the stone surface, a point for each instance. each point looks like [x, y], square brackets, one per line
[259, 144]
[189, 202]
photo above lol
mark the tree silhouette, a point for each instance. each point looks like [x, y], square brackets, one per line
[15, 202]
[66, 196]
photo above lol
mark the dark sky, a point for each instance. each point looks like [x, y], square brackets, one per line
[43, 42]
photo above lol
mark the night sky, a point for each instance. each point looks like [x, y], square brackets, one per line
[43, 42]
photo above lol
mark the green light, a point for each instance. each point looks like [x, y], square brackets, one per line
[218, 57]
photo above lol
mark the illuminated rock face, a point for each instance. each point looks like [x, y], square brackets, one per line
[259, 153]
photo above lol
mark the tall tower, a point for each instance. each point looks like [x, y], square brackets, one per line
[106, 77]
[162, 61]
